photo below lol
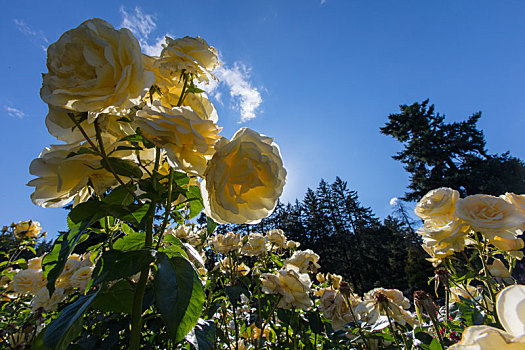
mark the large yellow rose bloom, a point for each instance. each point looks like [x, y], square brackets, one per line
[95, 68]
[244, 179]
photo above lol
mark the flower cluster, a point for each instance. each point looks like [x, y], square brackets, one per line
[450, 222]
[31, 281]
[117, 109]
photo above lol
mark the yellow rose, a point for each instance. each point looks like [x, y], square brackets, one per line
[334, 280]
[42, 300]
[60, 178]
[95, 68]
[518, 200]
[305, 260]
[28, 281]
[170, 90]
[255, 245]
[27, 229]
[277, 238]
[244, 179]
[187, 139]
[191, 55]
[292, 244]
[226, 265]
[60, 125]
[447, 239]
[490, 215]
[507, 244]
[291, 285]
[227, 243]
[510, 303]
[81, 277]
[437, 203]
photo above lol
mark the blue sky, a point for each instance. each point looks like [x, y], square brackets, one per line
[319, 76]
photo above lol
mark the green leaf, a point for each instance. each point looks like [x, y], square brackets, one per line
[195, 201]
[131, 241]
[116, 264]
[180, 179]
[434, 345]
[120, 196]
[66, 327]
[179, 295]
[202, 337]
[122, 167]
[118, 298]
[86, 211]
[424, 337]
[315, 322]
[53, 262]
[210, 226]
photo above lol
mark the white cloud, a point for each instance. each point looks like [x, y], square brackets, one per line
[394, 201]
[142, 25]
[236, 79]
[246, 97]
[15, 113]
[37, 37]
[323, 2]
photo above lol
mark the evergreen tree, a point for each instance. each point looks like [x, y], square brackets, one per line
[439, 154]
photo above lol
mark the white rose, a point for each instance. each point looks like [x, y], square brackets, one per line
[244, 179]
[95, 68]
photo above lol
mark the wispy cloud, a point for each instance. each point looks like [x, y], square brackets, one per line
[142, 25]
[245, 97]
[15, 113]
[37, 36]
[323, 2]
[248, 98]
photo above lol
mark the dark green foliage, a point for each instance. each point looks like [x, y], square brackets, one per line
[438, 154]
[349, 238]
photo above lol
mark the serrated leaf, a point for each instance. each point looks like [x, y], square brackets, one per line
[66, 327]
[177, 283]
[122, 167]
